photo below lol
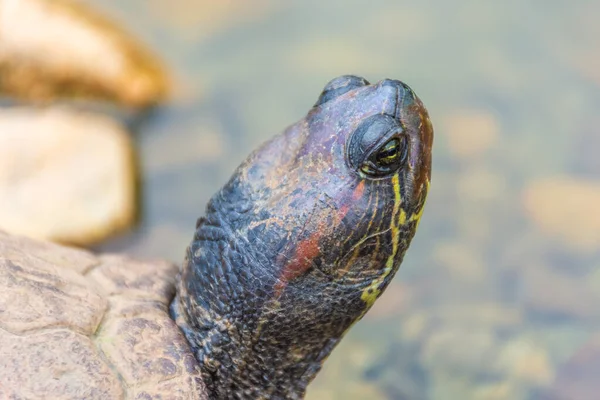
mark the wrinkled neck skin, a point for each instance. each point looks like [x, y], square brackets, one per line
[250, 341]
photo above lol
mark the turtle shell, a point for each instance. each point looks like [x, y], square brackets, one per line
[75, 325]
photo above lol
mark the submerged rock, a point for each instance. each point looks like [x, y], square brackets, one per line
[64, 176]
[548, 293]
[578, 379]
[471, 132]
[60, 48]
[566, 208]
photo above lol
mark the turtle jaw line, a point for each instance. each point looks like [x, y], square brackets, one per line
[240, 352]
[244, 333]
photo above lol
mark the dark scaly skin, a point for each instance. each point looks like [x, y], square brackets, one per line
[298, 245]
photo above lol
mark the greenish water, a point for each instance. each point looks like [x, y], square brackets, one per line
[493, 301]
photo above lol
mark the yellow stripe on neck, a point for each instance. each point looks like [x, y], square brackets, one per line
[370, 294]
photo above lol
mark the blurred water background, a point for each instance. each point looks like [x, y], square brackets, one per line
[499, 296]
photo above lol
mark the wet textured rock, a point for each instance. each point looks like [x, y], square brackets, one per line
[64, 176]
[57, 48]
[103, 330]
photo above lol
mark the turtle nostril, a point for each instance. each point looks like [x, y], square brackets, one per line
[340, 85]
[403, 94]
[390, 82]
[398, 85]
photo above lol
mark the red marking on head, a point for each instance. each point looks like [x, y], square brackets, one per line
[358, 191]
[356, 195]
[343, 211]
[306, 250]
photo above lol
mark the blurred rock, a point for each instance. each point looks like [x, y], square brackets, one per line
[480, 185]
[448, 385]
[464, 262]
[415, 326]
[397, 374]
[60, 48]
[165, 241]
[64, 176]
[567, 209]
[395, 300]
[483, 315]
[180, 149]
[470, 132]
[335, 54]
[578, 379]
[354, 391]
[383, 22]
[584, 160]
[494, 391]
[526, 361]
[476, 361]
[195, 19]
[551, 293]
[463, 350]
[469, 350]
[574, 44]
[342, 376]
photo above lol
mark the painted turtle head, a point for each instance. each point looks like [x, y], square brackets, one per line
[305, 236]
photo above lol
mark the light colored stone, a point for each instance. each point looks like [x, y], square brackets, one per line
[55, 48]
[151, 340]
[76, 259]
[64, 176]
[48, 365]
[470, 132]
[35, 294]
[139, 281]
[566, 208]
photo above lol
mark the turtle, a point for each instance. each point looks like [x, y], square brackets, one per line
[289, 254]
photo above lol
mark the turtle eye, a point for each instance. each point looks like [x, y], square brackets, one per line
[389, 153]
[387, 158]
[378, 146]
